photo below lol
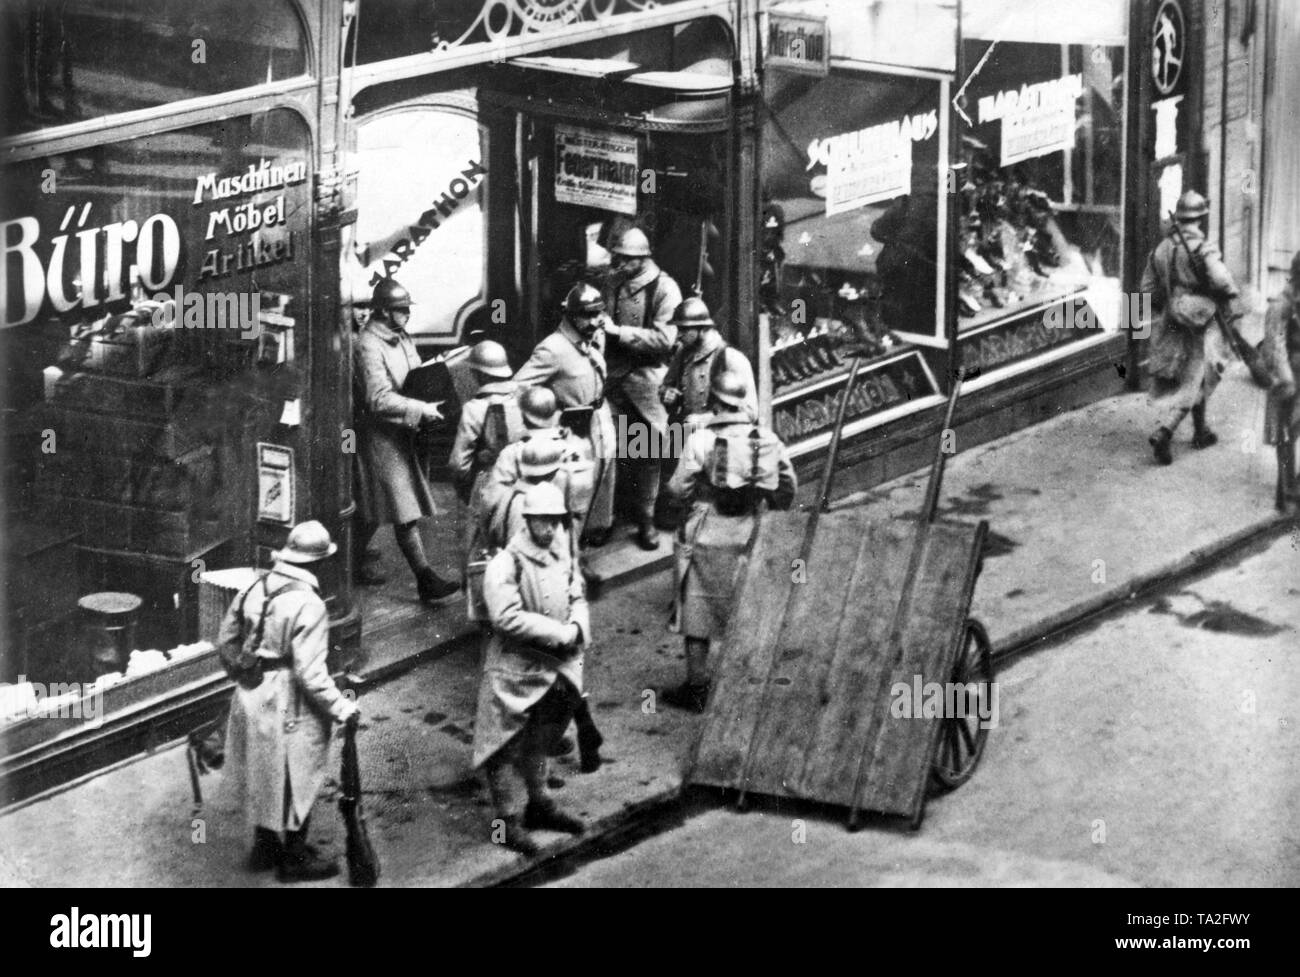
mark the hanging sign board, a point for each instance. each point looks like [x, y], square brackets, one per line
[274, 483]
[1037, 119]
[596, 169]
[870, 164]
[798, 42]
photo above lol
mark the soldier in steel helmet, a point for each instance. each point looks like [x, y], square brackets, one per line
[278, 735]
[1280, 355]
[639, 340]
[728, 467]
[539, 461]
[1188, 354]
[394, 489]
[570, 362]
[541, 416]
[532, 670]
[488, 422]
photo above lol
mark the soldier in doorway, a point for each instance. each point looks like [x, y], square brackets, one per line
[639, 340]
[570, 362]
[394, 488]
[488, 422]
[1188, 355]
[729, 467]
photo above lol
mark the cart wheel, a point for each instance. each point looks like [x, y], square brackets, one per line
[961, 738]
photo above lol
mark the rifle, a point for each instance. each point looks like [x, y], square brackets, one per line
[363, 863]
[1285, 454]
[1245, 352]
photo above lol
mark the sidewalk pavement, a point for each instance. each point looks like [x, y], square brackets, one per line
[1081, 519]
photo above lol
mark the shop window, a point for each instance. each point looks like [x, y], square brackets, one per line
[850, 219]
[71, 60]
[1041, 195]
[421, 197]
[155, 314]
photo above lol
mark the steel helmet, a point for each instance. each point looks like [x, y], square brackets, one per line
[728, 388]
[389, 294]
[584, 299]
[490, 358]
[308, 542]
[540, 458]
[633, 243]
[544, 500]
[539, 407]
[1191, 206]
[692, 314]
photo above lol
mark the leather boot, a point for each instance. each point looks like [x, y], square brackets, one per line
[301, 862]
[1160, 446]
[518, 839]
[432, 587]
[692, 698]
[1202, 436]
[366, 575]
[546, 816]
[589, 739]
[267, 850]
[647, 537]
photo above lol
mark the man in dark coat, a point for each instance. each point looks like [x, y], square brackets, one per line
[394, 488]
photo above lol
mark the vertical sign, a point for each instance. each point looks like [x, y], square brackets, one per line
[274, 483]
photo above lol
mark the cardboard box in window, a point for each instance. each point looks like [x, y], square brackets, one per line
[126, 348]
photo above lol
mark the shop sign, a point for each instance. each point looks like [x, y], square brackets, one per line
[73, 259]
[274, 483]
[1168, 45]
[798, 42]
[1020, 338]
[596, 169]
[1037, 119]
[870, 164]
[877, 388]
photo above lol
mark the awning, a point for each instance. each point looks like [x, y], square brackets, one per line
[614, 92]
[1045, 22]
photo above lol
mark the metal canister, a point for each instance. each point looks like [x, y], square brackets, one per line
[108, 623]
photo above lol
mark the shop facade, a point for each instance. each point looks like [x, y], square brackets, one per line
[945, 186]
[173, 387]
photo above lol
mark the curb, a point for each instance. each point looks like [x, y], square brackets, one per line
[603, 832]
[600, 834]
[1052, 627]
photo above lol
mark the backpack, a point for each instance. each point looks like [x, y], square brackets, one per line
[245, 667]
[739, 485]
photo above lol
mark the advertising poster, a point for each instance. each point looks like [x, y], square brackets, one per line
[596, 169]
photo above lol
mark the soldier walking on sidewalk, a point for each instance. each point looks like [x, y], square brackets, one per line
[1281, 357]
[532, 670]
[1188, 355]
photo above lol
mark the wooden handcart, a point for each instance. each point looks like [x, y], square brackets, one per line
[846, 633]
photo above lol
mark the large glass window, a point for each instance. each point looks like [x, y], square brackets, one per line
[421, 193]
[1042, 192]
[850, 218]
[71, 60]
[155, 314]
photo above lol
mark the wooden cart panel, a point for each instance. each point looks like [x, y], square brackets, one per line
[802, 689]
